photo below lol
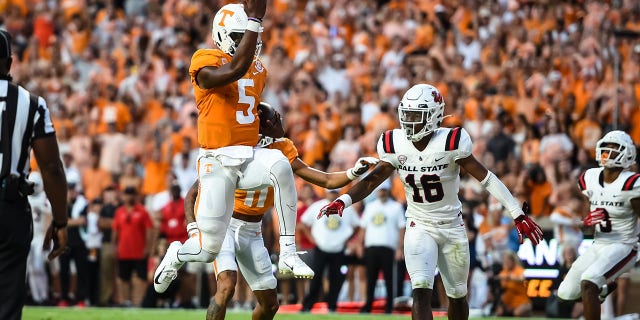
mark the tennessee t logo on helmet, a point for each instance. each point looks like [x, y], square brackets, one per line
[225, 13]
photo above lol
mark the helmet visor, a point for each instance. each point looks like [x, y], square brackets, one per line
[610, 154]
[411, 116]
[236, 37]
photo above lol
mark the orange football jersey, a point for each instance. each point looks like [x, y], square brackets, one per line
[228, 115]
[257, 202]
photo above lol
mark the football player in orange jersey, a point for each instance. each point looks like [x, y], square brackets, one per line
[228, 82]
[244, 241]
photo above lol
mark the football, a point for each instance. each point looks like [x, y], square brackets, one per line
[266, 112]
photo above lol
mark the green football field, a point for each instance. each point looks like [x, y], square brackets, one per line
[41, 313]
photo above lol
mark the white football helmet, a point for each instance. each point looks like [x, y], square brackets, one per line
[422, 105]
[228, 27]
[36, 178]
[622, 156]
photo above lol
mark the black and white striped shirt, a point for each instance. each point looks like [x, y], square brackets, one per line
[23, 118]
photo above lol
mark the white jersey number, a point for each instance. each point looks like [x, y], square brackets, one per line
[251, 195]
[431, 185]
[243, 98]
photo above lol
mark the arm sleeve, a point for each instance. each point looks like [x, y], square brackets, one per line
[497, 189]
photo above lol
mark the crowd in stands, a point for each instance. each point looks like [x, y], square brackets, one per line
[532, 81]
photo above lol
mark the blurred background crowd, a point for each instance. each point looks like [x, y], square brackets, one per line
[533, 82]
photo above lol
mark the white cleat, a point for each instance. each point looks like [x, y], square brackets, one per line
[293, 265]
[167, 271]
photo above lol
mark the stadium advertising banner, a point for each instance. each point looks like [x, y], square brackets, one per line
[541, 265]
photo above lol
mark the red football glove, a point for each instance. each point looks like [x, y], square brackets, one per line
[594, 217]
[335, 207]
[527, 227]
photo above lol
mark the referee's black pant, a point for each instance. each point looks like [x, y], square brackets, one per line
[16, 232]
[322, 260]
[378, 258]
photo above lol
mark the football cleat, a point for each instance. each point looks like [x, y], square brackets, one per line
[293, 265]
[167, 271]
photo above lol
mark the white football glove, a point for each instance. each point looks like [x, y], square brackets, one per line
[362, 165]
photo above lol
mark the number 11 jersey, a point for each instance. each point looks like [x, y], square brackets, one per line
[431, 177]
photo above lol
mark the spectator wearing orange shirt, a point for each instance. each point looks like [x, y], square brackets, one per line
[514, 301]
[587, 131]
[155, 173]
[95, 179]
[539, 190]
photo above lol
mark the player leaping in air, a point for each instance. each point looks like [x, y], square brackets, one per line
[243, 242]
[428, 159]
[228, 83]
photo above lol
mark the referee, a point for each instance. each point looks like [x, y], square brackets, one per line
[25, 123]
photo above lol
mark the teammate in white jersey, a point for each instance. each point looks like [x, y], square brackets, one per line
[41, 212]
[428, 159]
[614, 197]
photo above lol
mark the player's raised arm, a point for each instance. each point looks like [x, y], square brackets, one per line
[235, 31]
[363, 188]
[332, 180]
[525, 225]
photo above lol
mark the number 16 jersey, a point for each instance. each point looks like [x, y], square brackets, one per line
[431, 177]
[621, 223]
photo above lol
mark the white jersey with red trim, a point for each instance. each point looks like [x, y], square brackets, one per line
[621, 224]
[431, 177]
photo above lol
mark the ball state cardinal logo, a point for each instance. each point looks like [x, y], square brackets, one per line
[436, 96]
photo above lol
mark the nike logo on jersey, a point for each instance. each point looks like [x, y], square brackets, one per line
[437, 167]
[439, 159]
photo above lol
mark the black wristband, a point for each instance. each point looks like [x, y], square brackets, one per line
[59, 225]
